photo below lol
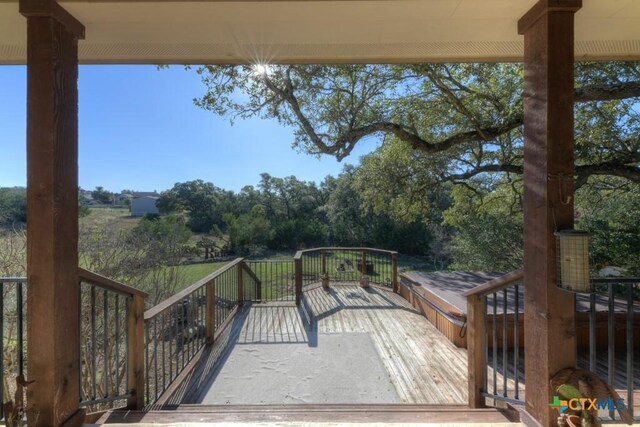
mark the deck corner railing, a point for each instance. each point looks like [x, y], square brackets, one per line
[346, 264]
[111, 342]
[487, 330]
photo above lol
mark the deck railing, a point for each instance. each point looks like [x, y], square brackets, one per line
[495, 337]
[276, 278]
[111, 339]
[131, 357]
[493, 328]
[348, 264]
[178, 328]
[13, 340]
[613, 334]
[110, 327]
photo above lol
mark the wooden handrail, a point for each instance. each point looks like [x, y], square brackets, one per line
[496, 284]
[333, 248]
[110, 284]
[251, 274]
[159, 308]
[13, 279]
[476, 332]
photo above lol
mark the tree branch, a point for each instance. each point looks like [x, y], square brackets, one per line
[582, 172]
[608, 92]
[630, 172]
[505, 167]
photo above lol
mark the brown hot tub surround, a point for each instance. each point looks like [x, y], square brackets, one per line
[439, 296]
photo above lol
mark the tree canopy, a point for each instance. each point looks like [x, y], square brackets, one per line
[451, 147]
[450, 121]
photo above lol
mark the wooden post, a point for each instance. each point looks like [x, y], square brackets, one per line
[548, 195]
[394, 271]
[135, 350]
[298, 279]
[240, 284]
[323, 254]
[53, 330]
[364, 262]
[476, 312]
[211, 311]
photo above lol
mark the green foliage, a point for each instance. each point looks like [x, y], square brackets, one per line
[83, 210]
[609, 208]
[464, 119]
[569, 392]
[488, 228]
[204, 203]
[102, 196]
[13, 206]
[249, 234]
[443, 125]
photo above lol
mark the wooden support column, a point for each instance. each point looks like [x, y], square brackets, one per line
[548, 196]
[476, 360]
[240, 272]
[298, 279]
[135, 350]
[52, 214]
[394, 271]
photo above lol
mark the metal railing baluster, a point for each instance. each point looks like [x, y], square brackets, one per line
[494, 332]
[630, 348]
[20, 322]
[516, 340]
[93, 342]
[592, 332]
[611, 342]
[105, 334]
[504, 343]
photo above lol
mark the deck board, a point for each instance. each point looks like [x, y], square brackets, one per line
[423, 366]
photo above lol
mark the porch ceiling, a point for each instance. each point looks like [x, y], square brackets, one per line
[320, 31]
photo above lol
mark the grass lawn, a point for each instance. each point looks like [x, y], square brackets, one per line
[117, 217]
[195, 272]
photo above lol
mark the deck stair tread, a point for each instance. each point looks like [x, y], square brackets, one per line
[314, 414]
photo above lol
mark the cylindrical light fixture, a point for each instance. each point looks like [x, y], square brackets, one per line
[572, 247]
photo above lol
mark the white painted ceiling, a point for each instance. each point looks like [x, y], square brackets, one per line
[299, 31]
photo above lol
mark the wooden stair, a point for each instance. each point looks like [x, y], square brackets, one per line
[303, 414]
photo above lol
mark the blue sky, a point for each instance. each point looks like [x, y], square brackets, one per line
[140, 130]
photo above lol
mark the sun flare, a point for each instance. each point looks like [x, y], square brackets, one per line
[260, 69]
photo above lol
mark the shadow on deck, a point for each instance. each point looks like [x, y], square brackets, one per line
[347, 345]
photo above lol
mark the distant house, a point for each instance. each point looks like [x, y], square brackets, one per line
[122, 199]
[143, 203]
[86, 198]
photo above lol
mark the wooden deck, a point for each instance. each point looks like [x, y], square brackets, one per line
[422, 365]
